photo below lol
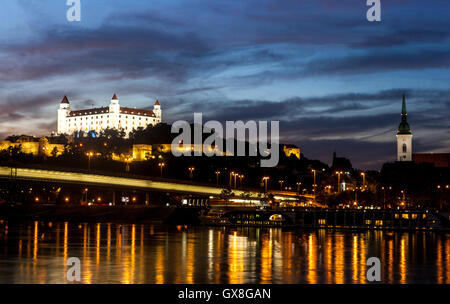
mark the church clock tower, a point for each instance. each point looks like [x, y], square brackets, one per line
[404, 137]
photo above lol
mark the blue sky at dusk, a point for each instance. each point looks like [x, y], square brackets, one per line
[333, 79]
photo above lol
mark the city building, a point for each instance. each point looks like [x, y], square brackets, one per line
[291, 150]
[404, 137]
[439, 160]
[113, 116]
[34, 146]
[341, 164]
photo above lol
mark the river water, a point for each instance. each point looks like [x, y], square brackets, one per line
[37, 252]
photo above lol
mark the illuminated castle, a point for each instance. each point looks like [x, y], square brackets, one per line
[112, 117]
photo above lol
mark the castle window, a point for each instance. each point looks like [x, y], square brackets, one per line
[404, 148]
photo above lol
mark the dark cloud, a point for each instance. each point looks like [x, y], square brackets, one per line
[382, 61]
[18, 102]
[405, 37]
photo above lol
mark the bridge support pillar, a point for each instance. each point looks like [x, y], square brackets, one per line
[114, 198]
[147, 199]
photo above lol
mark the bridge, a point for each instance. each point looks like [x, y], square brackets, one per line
[145, 184]
[113, 181]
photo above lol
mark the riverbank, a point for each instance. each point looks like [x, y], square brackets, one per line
[372, 219]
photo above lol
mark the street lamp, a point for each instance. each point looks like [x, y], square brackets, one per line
[231, 177]
[265, 180]
[86, 192]
[240, 180]
[314, 185]
[281, 184]
[403, 198]
[127, 163]
[89, 155]
[299, 184]
[217, 177]
[339, 180]
[191, 174]
[161, 166]
[364, 180]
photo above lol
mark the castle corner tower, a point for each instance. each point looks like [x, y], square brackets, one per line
[63, 112]
[404, 137]
[157, 109]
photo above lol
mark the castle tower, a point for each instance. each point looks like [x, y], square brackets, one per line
[404, 137]
[157, 109]
[114, 106]
[63, 112]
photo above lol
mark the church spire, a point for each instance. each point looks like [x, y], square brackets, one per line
[404, 105]
[404, 128]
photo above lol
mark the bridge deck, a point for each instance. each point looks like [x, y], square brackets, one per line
[112, 181]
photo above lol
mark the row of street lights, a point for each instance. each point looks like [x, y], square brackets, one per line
[235, 175]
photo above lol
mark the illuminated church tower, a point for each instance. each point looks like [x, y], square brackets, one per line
[404, 137]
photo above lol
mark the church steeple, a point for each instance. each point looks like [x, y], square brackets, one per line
[404, 106]
[404, 128]
[404, 136]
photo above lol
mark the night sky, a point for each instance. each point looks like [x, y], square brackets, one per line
[333, 79]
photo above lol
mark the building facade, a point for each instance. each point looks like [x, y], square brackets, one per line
[291, 150]
[439, 160]
[113, 116]
[404, 137]
[34, 146]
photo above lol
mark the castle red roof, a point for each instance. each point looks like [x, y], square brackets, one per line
[133, 111]
[65, 100]
[103, 110]
[89, 111]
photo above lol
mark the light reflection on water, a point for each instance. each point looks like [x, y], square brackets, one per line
[37, 252]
